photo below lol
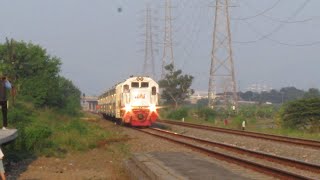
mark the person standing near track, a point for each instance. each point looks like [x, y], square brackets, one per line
[243, 125]
[4, 86]
[226, 122]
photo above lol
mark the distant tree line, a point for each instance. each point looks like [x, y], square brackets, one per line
[35, 76]
[285, 94]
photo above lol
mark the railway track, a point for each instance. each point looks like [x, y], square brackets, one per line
[285, 168]
[282, 139]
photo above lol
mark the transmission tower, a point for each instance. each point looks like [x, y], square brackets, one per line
[222, 83]
[148, 67]
[167, 57]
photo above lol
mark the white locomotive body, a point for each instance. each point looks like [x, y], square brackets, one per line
[133, 101]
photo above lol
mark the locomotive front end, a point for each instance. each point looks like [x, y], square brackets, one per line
[140, 101]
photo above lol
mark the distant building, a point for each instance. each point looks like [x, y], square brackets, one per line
[197, 96]
[89, 103]
[258, 88]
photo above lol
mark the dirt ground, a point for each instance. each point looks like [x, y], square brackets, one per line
[103, 162]
[95, 164]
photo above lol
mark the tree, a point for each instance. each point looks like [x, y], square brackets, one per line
[302, 114]
[291, 93]
[203, 102]
[69, 98]
[35, 74]
[312, 93]
[284, 95]
[176, 87]
[248, 96]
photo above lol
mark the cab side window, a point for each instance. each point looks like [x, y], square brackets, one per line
[153, 90]
[126, 88]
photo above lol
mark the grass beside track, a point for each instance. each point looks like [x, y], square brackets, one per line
[47, 132]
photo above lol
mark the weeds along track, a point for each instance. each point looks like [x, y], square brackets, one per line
[282, 139]
[271, 165]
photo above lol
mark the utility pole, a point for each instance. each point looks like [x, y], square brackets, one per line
[222, 75]
[167, 57]
[148, 67]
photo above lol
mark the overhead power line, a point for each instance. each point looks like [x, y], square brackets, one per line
[259, 14]
[264, 14]
[280, 42]
[267, 36]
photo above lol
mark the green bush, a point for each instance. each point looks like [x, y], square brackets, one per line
[247, 111]
[36, 137]
[303, 114]
[206, 113]
[78, 126]
[262, 111]
[49, 133]
[19, 114]
[237, 121]
[178, 113]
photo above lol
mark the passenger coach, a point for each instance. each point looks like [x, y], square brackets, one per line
[133, 101]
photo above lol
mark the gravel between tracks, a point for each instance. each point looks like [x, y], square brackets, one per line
[305, 154]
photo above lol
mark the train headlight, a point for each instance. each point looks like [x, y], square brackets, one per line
[127, 107]
[152, 108]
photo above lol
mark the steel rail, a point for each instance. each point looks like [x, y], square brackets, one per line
[272, 158]
[283, 139]
[271, 171]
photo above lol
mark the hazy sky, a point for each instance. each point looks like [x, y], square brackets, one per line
[275, 42]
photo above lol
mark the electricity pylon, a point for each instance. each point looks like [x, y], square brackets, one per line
[148, 67]
[222, 76]
[167, 57]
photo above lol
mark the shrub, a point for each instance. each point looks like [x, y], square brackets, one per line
[237, 121]
[206, 113]
[178, 113]
[302, 114]
[36, 137]
[49, 133]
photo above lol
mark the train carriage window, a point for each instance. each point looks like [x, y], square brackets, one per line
[126, 88]
[135, 84]
[144, 84]
[154, 90]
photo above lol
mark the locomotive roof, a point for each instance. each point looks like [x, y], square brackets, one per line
[130, 79]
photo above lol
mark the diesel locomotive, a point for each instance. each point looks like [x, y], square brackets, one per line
[133, 102]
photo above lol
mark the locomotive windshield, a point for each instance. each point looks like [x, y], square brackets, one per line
[144, 84]
[138, 85]
[135, 84]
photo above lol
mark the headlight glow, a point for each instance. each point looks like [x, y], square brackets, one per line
[152, 108]
[127, 107]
